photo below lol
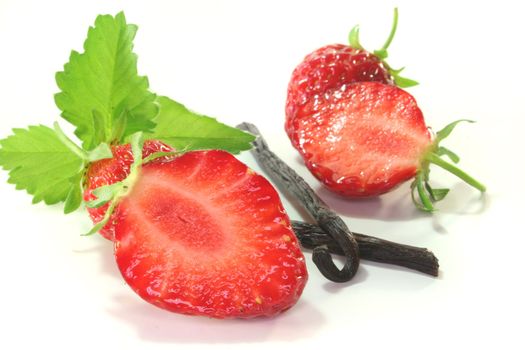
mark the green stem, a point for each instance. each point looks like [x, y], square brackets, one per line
[68, 143]
[392, 32]
[353, 38]
[104, 220]
[425, 199]
[137, 143]
[435, 159]
[156, 155]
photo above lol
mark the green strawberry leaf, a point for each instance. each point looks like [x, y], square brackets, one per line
[120, 125]
[423, 201]
[443, 151]
[353, 38]
[436, 194]
[74, 197]
[404, 82]
[439, 193]
[100, 134]
[102, 83]
[40, 163]
[104, 194]
[445, 132]
[186, 130]
[106, 100]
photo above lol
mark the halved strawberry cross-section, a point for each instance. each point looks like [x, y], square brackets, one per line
[203, 234]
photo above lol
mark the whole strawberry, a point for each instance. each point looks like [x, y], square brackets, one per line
[332, 67]
[367, 138]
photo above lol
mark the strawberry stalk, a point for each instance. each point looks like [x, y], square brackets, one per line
[382, 53]
[451, 168]
[102, 151]
[428, 195]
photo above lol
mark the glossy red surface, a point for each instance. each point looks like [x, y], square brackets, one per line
[364, 139]
[109, 171]
[203, 234]
[327, 69]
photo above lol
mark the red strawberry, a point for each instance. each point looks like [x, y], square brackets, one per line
[367, 138]
[203, 234]
[332, 67]
[109, 171]
[327, 69]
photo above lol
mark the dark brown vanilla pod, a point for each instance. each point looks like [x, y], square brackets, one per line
[325, 218]
[371, 248]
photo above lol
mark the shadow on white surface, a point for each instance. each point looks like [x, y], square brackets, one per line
[389, 270]
[397, 205]
[400, 269]
[464, 200]
[159, 326]
[393, 206]
[438, 226]
[360, 276]
[103, 248]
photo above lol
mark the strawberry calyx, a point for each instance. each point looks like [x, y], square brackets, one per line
[426, 194]
[102, 151]
[114, 192]
[382, 53]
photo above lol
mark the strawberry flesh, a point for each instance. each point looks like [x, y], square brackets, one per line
[364, 139]
[202, 234]
[328, 69]
[108, 171]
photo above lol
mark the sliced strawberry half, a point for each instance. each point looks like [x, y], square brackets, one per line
[364, 140]
[367, 138]
[204, 235]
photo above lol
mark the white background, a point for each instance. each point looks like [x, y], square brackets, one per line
[232, 60]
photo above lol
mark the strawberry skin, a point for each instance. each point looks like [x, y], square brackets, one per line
[109, 171]
[364, 139]
[329, 69]
[202, 234]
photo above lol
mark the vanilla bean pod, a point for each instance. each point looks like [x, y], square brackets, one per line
[325, 218]
[371, 248]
